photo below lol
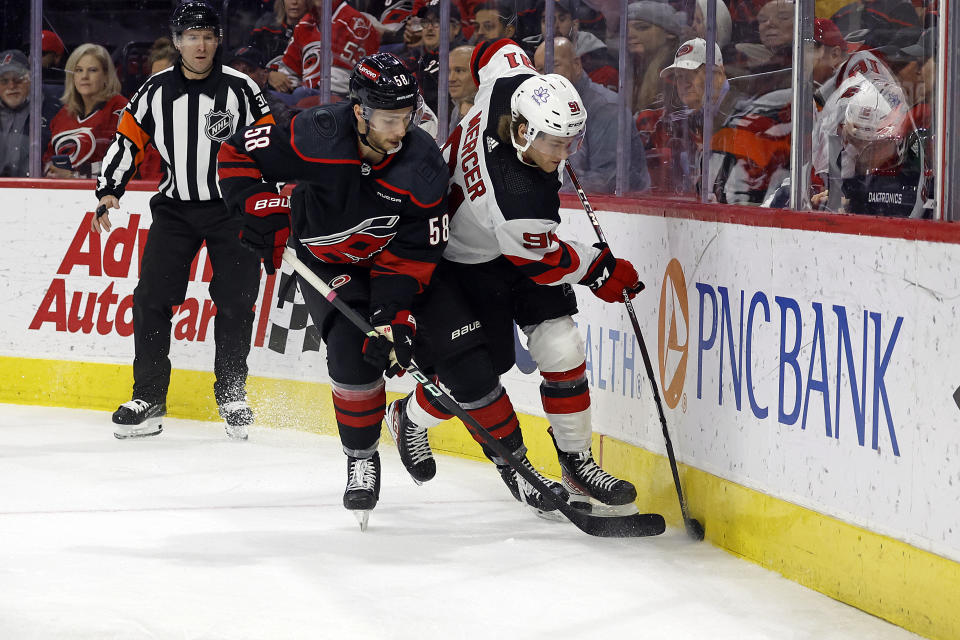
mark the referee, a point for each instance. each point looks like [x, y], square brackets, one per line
[186, 111]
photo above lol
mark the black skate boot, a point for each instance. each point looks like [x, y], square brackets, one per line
[583, 478]
[138, 418]
[363, 487]
[411, 441]
[526, 493]
[238, 416]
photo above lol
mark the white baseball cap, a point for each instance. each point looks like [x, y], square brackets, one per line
[692, 54]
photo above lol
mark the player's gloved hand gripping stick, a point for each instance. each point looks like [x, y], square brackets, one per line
[635, 525]
[693, 526]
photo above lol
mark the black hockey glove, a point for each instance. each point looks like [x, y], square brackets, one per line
[609, 277]
[392, 350]
[266, 227]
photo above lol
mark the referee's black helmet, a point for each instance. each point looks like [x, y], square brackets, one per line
[382, 81]
[195, 15]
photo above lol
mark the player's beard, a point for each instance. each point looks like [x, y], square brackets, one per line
[382, 144]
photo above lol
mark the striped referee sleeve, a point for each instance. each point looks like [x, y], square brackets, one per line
[126, 151]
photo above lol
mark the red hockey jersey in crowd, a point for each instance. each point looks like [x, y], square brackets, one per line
[353, 36]
[85, 139]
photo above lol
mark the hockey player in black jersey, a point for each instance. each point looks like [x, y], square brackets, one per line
[504, 159]
[369, 215]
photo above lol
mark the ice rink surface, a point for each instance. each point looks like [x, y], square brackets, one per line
[190, 536]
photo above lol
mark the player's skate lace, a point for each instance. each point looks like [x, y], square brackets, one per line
[582, 476]
[362, 475]
[136, 405]
[412, 443]
[532, 496]
[589, 472]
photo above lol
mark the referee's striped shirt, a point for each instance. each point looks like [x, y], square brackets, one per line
[186, 120]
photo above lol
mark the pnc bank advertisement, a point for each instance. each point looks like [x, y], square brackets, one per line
[816, 367]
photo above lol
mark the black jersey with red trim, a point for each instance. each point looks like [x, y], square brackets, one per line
[390, 216]
[501, 205]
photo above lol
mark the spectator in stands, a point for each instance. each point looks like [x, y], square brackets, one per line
[673, 134]
[84, 127]
[15, 115]
[460, 84]
[53, 53]
[162, 55]
[594, 56]
[775, 49]
[653, 31]
[596, 163]
[424, 60]
[494, 20]
[353, 34]
[879, 23]
[273, 32]
[884, 165]
[828, 120]
[250, 61]
[724, 27]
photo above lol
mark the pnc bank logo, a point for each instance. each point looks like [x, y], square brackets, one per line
[673, 332]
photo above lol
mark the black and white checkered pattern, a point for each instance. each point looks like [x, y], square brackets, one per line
[291, 315]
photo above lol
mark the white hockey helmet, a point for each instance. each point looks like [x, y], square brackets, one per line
[877, 111]
[554, 112]
[876, 122]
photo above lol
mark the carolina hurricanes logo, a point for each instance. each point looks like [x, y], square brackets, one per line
[360, 243]
[359, 27]
[684, 50]
[312, 59]
[79, 144]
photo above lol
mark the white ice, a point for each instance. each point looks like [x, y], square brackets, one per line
[188, 535]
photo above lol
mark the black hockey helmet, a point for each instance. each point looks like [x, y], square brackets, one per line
[195, 15]
[382, 81]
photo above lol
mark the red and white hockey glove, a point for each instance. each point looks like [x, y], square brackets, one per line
[609, 277]
[266, 227]
[392, 350]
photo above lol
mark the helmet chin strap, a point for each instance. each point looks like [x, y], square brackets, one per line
[366, 141]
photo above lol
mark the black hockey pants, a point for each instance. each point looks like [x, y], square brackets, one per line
[178, 230]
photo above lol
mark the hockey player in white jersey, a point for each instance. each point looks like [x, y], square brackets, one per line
[504, 158]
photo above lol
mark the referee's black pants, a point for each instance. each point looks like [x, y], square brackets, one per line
[179, 229]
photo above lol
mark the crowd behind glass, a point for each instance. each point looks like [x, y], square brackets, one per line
[669, 115]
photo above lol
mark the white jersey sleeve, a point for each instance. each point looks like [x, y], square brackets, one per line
[499, 205]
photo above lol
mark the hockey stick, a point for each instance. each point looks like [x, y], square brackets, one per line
[693, 527]
[635, 525]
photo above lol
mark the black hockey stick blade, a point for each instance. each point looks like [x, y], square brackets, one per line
[637, 525]
[632, 526]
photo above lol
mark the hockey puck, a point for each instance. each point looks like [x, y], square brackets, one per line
[695, 529]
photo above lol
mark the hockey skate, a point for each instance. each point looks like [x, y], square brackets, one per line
[412, 443]
[238, 416]
[138, 418]
[363, 487]
[527, 494]
[584, 480]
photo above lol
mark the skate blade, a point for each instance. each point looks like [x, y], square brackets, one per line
[122, 432]
[582, 502]
[238, 434]
[363, 517]
[553, 515]
[602, 510]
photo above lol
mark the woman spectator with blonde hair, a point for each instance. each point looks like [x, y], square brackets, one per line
[84, 127]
